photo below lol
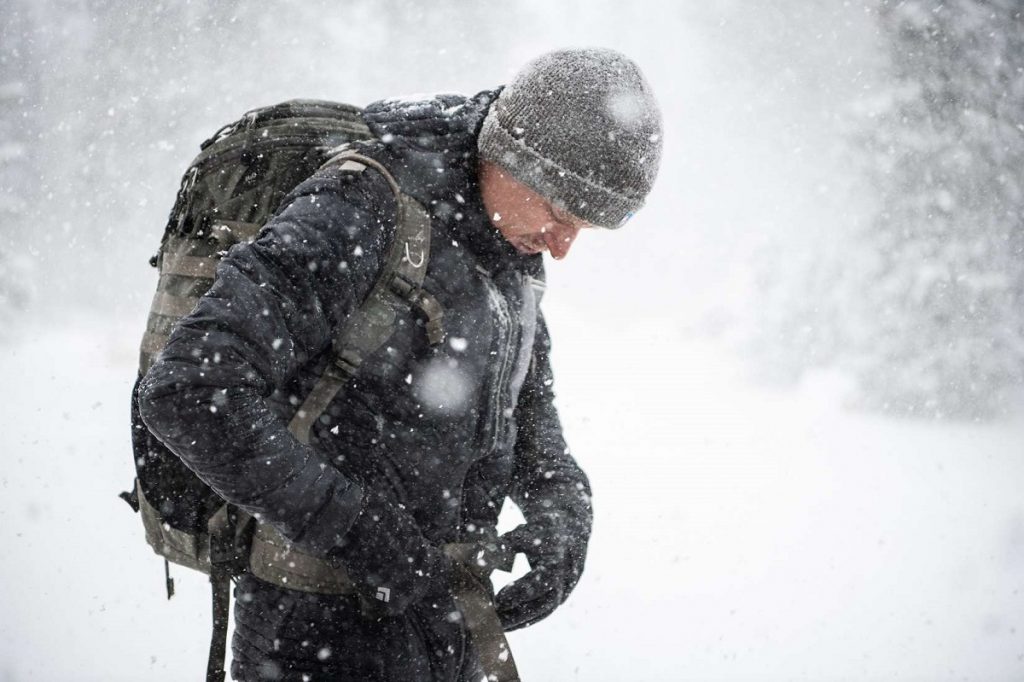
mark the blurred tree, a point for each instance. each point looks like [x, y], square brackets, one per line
[18, 173]
[800, 68]
[119, 83]
[939, 326]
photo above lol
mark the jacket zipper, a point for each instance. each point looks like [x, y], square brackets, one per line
[500, 305]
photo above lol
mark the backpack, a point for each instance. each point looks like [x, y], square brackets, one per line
[229, 191]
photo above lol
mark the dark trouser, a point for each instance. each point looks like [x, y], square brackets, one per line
[294, 636]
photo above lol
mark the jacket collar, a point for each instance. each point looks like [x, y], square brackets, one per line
[430, 145]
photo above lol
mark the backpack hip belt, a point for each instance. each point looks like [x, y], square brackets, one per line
[274, 560]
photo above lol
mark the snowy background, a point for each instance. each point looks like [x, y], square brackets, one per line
[793, 380]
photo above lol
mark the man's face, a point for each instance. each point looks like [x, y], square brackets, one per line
[526, 219]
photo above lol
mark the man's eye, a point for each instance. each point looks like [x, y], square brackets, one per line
[558, 216]
[563, 217]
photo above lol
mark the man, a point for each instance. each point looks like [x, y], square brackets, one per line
[423, 445]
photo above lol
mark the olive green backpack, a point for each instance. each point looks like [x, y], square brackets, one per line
[230, 190]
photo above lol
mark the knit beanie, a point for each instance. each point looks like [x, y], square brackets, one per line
[580, 127]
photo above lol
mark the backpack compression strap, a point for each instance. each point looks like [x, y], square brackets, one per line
[372, 324]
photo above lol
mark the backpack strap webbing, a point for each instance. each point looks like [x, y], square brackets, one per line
[220, 591]
[272, 559]
[227, 559]
[372, 324]
[488, 635]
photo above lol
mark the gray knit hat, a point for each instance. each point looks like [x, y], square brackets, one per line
[580, 127]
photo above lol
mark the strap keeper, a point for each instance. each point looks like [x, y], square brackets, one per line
[434, 311]
[404, 289]
[348, 362]
[435, 332]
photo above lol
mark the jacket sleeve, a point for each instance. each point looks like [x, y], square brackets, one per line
[546, 480]
[272, 307]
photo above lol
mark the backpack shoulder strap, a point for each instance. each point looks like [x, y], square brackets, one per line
[400, 284]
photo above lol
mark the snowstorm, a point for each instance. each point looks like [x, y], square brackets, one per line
[793, 378]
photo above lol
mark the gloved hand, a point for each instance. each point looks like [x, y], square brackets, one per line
[556, 546]
[387, 557]
[398, 573]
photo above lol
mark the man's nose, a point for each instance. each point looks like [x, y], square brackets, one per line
[559, 240]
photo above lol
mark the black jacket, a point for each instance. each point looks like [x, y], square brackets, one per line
[446, 431]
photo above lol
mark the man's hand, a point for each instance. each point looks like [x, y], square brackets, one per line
[384, 553]
[399, 574]
[556, 549]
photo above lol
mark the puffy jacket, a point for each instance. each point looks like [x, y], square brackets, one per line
[447, 431]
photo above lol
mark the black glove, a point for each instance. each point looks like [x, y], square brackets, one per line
[398, 573]
[556, 546]
[384, 553]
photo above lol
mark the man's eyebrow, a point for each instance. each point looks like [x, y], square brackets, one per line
[559, 214]
[566, 218]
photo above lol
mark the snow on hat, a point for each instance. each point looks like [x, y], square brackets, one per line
[580, 127]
